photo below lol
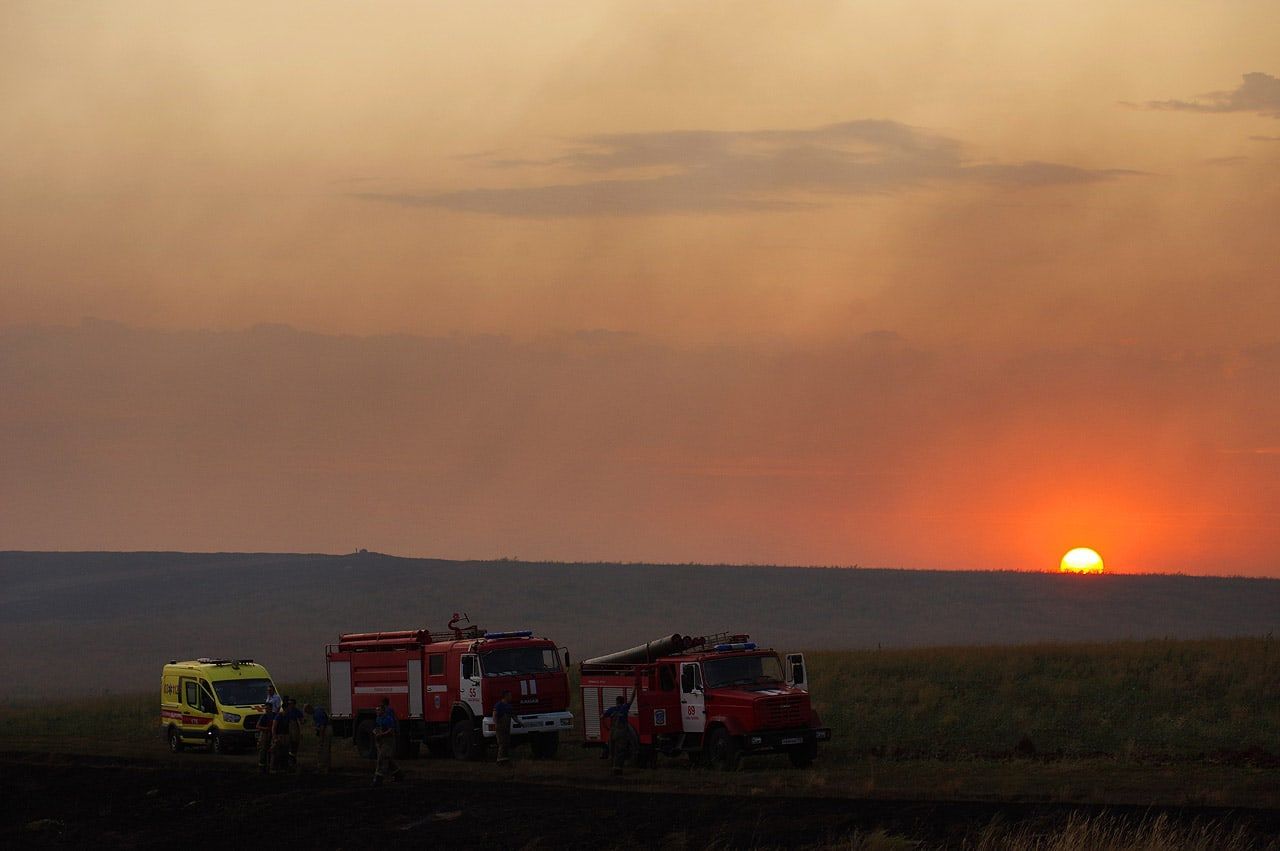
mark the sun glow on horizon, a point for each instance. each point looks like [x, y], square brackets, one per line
[1081, 560]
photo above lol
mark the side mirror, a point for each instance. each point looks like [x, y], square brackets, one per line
[566, 657]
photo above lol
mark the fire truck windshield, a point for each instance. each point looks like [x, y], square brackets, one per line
[513, 661]
[742, 671]
[241, 692]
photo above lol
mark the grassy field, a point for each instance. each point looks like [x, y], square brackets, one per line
[1181, 700]
[1190, 723]
[1136, 700]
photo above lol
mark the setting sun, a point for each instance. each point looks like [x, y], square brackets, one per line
[1081, 560]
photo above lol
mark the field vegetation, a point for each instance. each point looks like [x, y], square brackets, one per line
[1160, 699]
[1211, 700]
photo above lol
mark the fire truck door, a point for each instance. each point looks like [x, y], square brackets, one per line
[693, 706]
[796, 675]
[469, 684]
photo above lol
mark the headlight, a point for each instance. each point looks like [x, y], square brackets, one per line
[231, 718]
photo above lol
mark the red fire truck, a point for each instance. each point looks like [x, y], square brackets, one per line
[443, 685]
[717, 698]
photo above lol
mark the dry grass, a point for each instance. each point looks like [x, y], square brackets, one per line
[1109, 833]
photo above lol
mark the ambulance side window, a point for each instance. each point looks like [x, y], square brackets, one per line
[193, 694]
[435, 664]
[207, 703]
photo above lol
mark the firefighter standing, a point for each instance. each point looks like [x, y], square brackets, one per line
[294, 716]
[621, 734]
[503, 718]
[266, 724]
[384, 738]
[324, 735]
[280, 741]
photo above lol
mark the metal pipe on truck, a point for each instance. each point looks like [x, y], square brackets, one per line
[646, 652]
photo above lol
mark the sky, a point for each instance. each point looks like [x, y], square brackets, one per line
[914, 284]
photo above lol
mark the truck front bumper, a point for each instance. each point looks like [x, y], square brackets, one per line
[780, 740]
[543, 722]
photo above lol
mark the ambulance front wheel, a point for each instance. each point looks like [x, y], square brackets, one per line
[216, 745]
[175, 740]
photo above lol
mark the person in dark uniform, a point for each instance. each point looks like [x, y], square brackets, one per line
[384, 737]
[294, 716]
[622, 736]
[280, 740]
[324, 736]
[266, 727]
[503, 718]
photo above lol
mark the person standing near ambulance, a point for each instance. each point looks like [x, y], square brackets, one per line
[273, 699]
[324, 736]
[266, 726]
[294, 716]
[280, 741]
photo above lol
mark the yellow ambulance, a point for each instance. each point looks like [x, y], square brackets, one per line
[215, 703]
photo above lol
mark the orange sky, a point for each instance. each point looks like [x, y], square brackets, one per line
[914, 284]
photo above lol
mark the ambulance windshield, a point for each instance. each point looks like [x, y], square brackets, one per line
[241, 692]
[742, 671]
[513, 661]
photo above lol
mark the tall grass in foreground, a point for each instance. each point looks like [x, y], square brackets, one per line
[1166, 698]
[1102, 832]
[1109, 833]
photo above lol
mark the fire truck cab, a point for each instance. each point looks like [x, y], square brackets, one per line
[212, 702]
[442, 687]
[717, 698]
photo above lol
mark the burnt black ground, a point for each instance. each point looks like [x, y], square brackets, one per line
[68, 800]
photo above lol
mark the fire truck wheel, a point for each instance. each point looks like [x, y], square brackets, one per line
[466, 740]
[723, 750]
[175, 741]
[364, 739]
[544, 745]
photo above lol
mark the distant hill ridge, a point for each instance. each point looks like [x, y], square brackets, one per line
[119, 616]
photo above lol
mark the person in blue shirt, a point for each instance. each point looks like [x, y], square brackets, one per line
[622, 736]
[324, 736]
[273, 699]
[293, 717]
[384, 737]
[503, 718]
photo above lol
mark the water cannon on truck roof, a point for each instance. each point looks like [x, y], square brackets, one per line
[715, 697]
